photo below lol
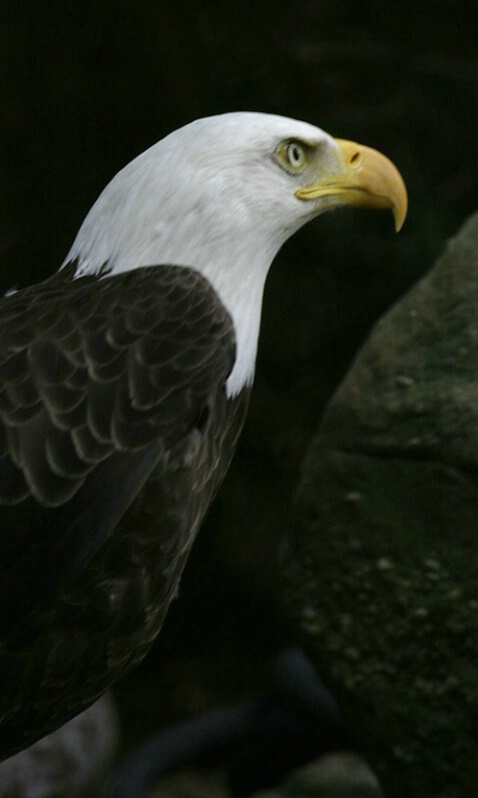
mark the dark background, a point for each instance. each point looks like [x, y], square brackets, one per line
[86, 86]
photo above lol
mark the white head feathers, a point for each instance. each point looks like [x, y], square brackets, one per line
[213, 196]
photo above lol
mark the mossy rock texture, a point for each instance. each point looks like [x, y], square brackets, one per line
[382, 564]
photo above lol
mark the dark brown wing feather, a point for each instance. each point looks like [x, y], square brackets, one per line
[114, 434]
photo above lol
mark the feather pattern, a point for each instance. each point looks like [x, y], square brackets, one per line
[115, 432]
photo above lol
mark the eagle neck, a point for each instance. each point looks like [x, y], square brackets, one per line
[240, 287]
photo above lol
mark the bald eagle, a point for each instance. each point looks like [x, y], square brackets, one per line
[125, 380]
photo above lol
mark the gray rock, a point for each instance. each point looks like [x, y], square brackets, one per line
[73, 761]
[383, 562]
[340, 775]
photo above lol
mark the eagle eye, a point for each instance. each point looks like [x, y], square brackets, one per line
[293, 155]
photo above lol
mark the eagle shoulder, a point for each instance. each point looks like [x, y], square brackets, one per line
[99, 380]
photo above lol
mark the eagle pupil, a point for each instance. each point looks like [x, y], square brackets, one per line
[295, 155]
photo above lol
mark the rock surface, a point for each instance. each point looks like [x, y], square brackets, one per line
[74, 761]
[383, 563]
[340, 775]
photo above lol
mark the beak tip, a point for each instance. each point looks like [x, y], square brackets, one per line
[399, 215]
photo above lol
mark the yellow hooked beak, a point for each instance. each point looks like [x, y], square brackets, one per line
[365, 178]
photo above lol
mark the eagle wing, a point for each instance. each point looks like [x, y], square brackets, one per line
[99, 379]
